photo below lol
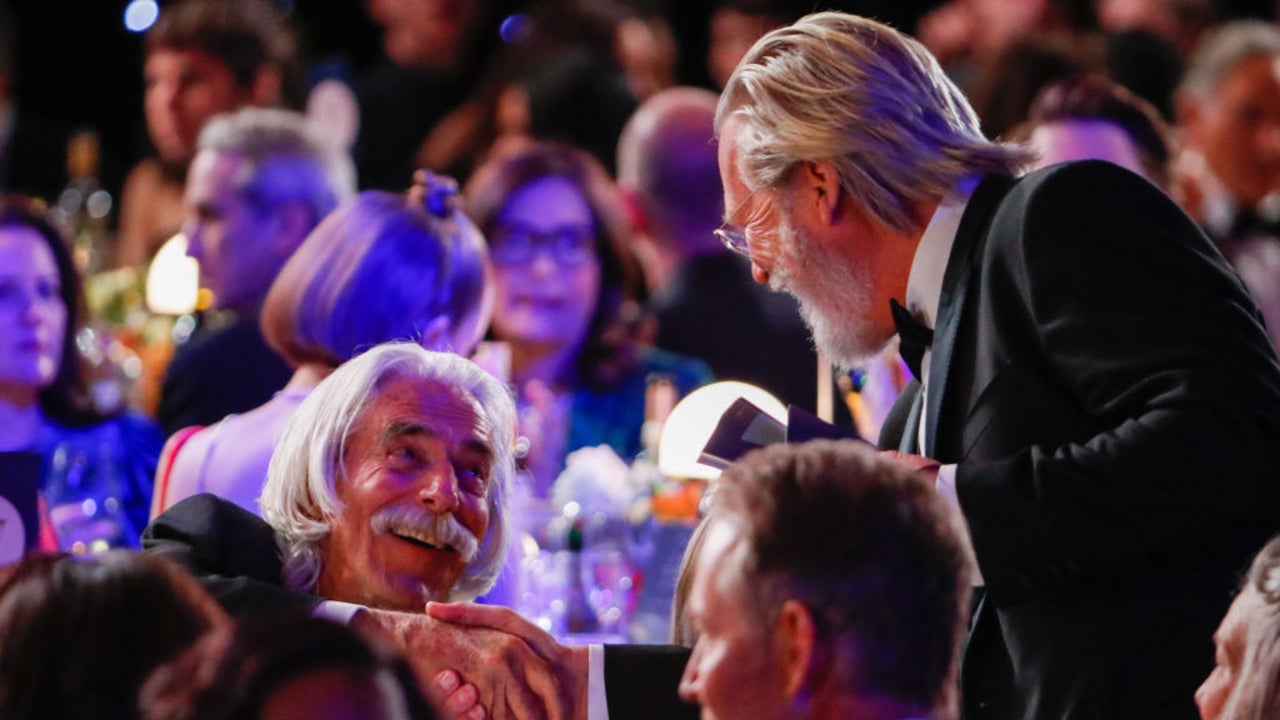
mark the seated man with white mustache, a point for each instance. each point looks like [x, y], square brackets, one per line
[386, 491]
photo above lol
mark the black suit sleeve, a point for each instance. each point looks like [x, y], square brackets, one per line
[642, 681]
[1133, 401]
[230, 550]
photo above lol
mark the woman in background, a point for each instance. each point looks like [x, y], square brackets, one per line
[567, 303]
[96, 469]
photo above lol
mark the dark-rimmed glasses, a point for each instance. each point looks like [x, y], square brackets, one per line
[517, 244]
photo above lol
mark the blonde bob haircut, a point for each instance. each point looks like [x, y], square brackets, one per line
[379, 268]
[300, 500]
[852, 91]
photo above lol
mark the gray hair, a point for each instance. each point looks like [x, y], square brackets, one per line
[1256, 693]
[299, 499]
[871, 100]
[1225, 47]
[286, 159]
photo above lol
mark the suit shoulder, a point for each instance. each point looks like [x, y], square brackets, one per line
[1094, 201]
[1087, 178]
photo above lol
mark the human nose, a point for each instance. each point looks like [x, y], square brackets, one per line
[690, 682]
[194, 231]
[439, 492]
[34, 308]
[1207, 696]
[543, 262]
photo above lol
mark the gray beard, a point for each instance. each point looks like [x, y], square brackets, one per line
[835, 299]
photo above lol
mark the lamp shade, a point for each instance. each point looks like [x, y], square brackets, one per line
[694, 418]
[173, 282]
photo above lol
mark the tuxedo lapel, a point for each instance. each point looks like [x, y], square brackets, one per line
[970, 237]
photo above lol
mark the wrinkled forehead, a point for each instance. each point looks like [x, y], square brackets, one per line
[446, 411]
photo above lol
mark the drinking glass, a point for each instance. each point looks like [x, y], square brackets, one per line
[84, 493]
[609, 579]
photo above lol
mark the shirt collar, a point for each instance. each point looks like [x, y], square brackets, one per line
[924, 284]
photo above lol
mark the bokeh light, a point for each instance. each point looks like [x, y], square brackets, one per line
[139, 15]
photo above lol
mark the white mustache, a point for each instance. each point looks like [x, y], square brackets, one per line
[442, 531]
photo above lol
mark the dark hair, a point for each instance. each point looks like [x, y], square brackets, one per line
[232, 674]
[610, 343]
[1093, 97]
[869, 548]
[80, 634]
[244, 35]
[66, 400]
[1014, 75]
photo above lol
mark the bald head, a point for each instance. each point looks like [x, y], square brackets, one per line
[667, 159]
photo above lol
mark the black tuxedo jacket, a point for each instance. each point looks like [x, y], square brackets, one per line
[1103, 382]
[234, 555]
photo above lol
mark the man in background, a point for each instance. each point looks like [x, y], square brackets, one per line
[204, 58]
[703, 301]
[831, 583]
[260, 181]
[1229, 171]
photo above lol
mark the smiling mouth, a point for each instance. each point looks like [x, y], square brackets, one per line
[424, 544]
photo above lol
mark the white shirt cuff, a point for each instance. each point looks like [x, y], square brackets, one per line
[337, 612]
[947, 485]
[597, 697]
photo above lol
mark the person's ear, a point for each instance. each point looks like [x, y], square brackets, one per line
[637, 216]
[435, 336]
[796, 643]
[293, 221]
[820, 184]
[1187, 110]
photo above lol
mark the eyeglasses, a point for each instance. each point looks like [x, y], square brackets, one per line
[517, 244]
[733, 238]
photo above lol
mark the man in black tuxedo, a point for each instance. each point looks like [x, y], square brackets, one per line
[1096, 385]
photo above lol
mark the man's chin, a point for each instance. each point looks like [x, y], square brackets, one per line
[841, 342]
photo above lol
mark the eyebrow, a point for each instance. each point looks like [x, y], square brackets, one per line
[411, 428]
[407, 428]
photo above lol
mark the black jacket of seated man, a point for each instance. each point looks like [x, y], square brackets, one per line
[234, 555]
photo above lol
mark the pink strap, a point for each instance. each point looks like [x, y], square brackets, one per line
[167, 457]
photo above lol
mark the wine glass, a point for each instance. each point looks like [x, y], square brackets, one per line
[84, 493]
[609, 578]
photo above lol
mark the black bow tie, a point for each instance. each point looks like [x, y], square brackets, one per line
[913, 336]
